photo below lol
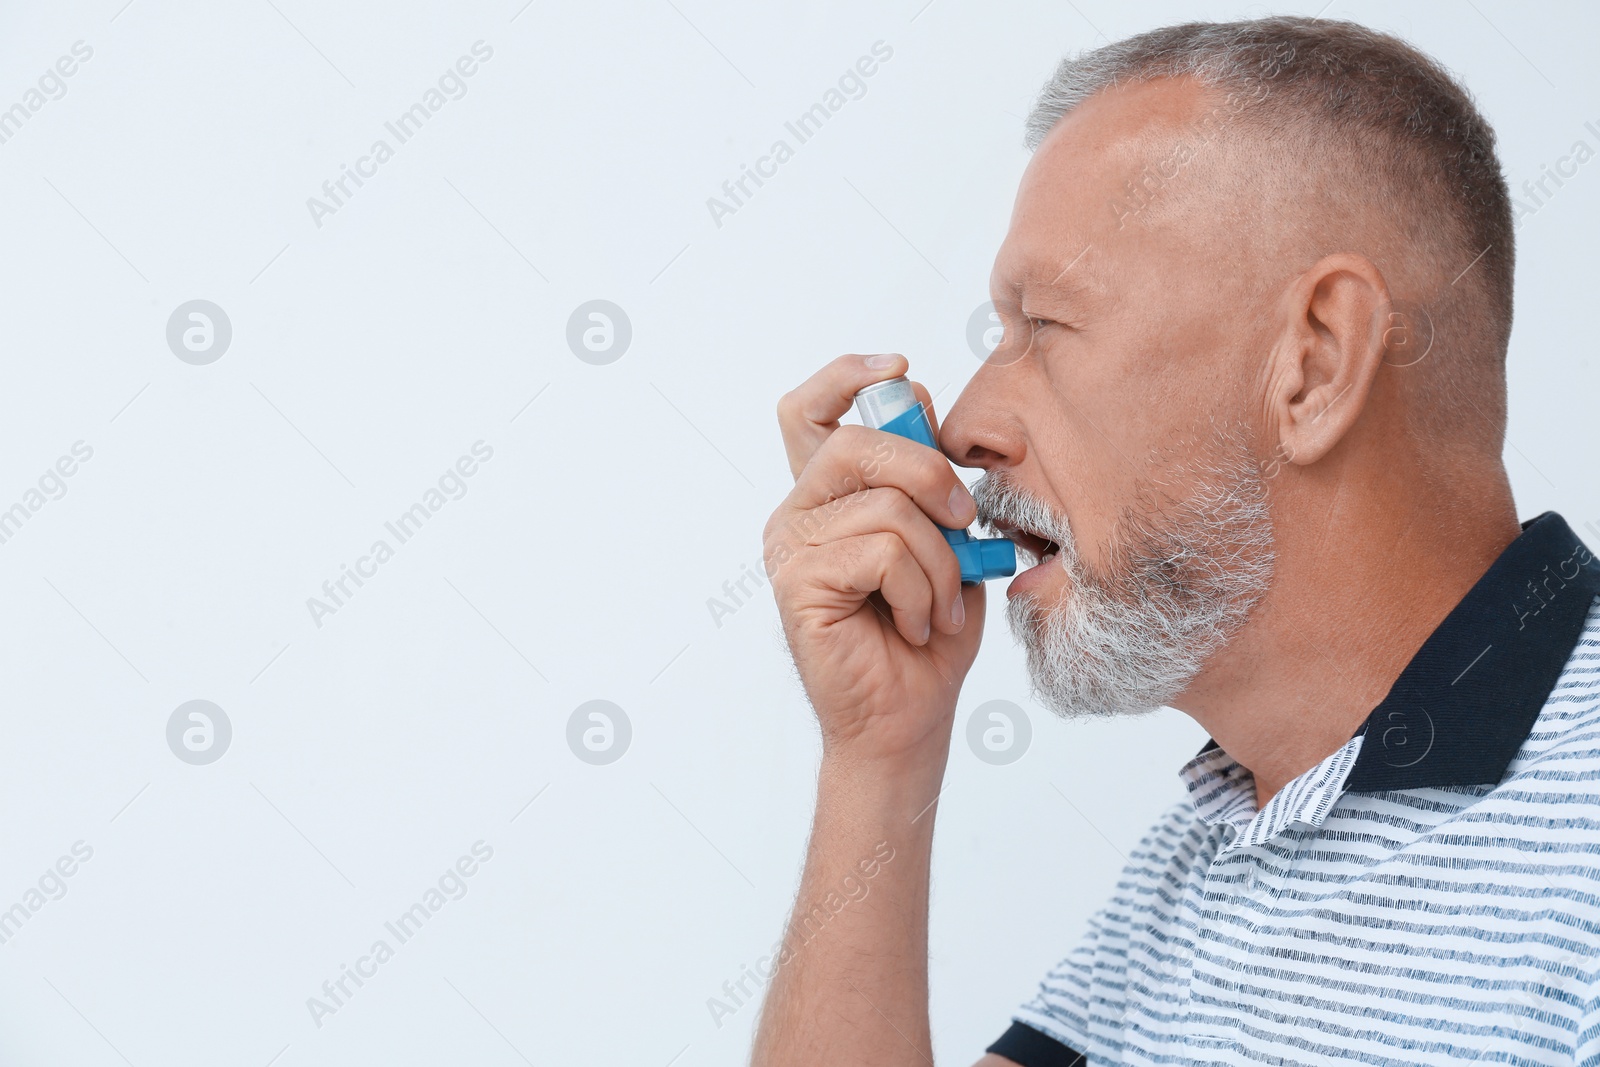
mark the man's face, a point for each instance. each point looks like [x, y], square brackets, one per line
[1115, 419]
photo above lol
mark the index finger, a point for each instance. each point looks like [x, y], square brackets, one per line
[810, 412]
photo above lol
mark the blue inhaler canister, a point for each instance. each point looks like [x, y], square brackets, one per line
[893, 407]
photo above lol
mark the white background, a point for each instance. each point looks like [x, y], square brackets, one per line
[371, 752]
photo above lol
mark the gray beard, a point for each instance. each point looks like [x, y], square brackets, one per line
[1183, 577]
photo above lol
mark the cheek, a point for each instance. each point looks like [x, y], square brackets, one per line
[1084, 476]
[1101, 422]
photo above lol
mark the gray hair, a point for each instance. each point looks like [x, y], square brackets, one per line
[1331, 92]
[1181, 579]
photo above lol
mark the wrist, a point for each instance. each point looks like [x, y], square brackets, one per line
[886, 787]
[899, 746]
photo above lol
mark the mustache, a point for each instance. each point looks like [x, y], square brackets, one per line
[1002, 503]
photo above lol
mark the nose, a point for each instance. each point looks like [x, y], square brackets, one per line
[982, 428]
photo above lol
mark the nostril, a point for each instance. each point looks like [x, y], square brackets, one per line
[979, 456]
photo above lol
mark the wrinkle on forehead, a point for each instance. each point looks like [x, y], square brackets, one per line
[1253, 203]
[1066, 232]
[1114, 134]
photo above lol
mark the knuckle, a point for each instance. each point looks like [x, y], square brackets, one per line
[849, 437]
[771, 550]
[889, 547]
[783, 568]
[900, 505]
[845, 565]
[818, 520]
[775, 532]
[812, 527]
[847, 451]
[932, 467]
[881, 499]
[902, 508]
[884, 500]
[873, 458]
[788, 407]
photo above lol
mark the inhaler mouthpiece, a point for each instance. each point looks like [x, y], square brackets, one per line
[893, 407]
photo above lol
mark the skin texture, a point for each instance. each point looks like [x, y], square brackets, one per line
[1125, 340]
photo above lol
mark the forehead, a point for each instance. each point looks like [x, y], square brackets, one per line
[1090, 170]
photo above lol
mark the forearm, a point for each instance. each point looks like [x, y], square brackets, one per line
[852, 981]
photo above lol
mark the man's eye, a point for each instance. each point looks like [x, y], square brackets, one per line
[1037, 324]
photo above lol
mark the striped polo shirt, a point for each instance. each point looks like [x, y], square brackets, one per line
[1427, 894]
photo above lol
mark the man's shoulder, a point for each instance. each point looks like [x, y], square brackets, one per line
[1563, 747]
[1543, 817]
[1173, 843]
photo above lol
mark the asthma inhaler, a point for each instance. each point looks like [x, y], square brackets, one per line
[892, 406]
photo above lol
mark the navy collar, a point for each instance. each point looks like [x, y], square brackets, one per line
[1461, 709]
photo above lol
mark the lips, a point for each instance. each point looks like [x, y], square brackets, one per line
[1038, 553]
[1033, 546]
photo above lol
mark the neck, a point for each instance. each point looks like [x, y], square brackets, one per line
[1365, 570]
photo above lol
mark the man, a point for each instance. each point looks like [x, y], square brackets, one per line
[1249, 409]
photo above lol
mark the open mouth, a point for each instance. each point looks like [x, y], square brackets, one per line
[1034, 548]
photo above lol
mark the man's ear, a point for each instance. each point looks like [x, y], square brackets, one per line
[1327, 355]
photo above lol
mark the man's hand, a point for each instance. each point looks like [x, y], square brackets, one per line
[868, 589]
[883, 635]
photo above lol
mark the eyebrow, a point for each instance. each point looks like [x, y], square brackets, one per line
[1073, 288]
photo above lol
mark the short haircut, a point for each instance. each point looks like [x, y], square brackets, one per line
[1334, 96]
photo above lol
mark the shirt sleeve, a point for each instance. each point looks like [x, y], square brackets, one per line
[1027, 1047]
[1079, 1006]
[1066, 1003]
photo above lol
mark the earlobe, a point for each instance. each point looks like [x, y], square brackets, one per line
[1327, 356]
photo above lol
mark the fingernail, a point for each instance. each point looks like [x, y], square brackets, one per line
[958, 610]
[962, 506]
[882, 360]
[927, 631]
